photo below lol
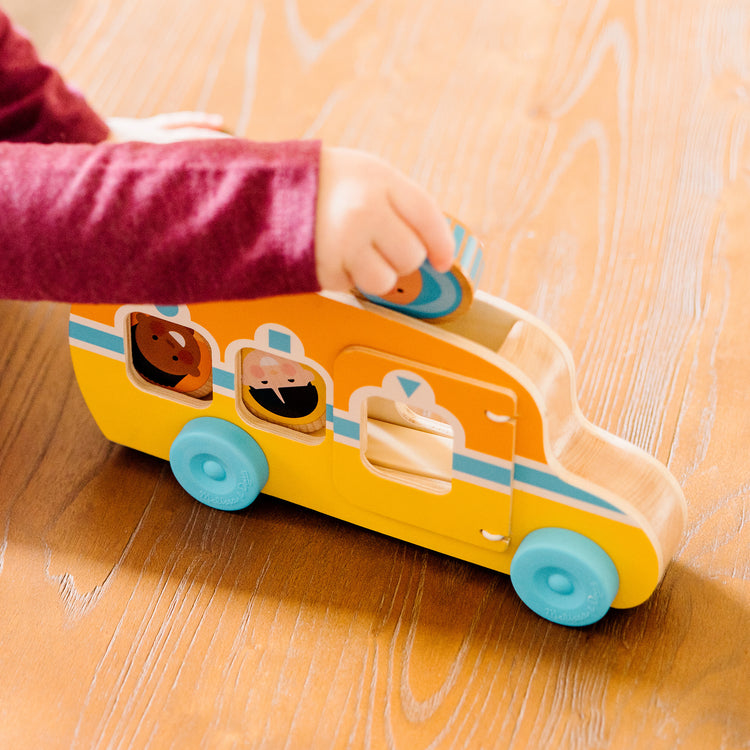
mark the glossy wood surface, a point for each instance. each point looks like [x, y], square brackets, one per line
[602, 152]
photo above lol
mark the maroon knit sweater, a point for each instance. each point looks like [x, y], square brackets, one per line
[87, 221]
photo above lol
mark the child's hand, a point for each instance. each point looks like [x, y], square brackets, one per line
[374, 225]
[166, 128]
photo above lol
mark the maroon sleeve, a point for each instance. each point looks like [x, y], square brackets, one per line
[35, 103]
[163, 223]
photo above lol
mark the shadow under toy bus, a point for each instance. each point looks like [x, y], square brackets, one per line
[435, 415]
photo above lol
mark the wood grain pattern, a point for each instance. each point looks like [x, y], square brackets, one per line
[601, 150]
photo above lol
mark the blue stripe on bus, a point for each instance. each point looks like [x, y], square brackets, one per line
[223, 379]
[104, 340]
[551, 483]
[498, 474]
[481, 469]
[346, 427]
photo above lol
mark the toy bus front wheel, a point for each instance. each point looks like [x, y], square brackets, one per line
[218, 463]
[564, 576]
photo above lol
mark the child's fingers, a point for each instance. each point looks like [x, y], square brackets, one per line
[168, 128]
[175, 120]
[370, 272]
[420, 211]
[194, 134]
[400, 246]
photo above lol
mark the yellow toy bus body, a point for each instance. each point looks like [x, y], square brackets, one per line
[461, 435]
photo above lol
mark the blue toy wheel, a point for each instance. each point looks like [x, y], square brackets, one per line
[218, 463]
[564, 577]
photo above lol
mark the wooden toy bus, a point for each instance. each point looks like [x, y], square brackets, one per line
[436, 415]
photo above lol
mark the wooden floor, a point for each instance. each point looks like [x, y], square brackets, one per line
[602, 150]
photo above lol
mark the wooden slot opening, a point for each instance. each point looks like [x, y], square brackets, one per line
[409, 446]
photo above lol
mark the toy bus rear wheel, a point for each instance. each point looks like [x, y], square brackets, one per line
[564, 576]
[218, 463]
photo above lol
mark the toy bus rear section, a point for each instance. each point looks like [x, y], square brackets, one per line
[435, 415]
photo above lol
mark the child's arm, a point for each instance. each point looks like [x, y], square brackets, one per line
[35, 103]
[165, 223]
[373, 224]
[206, 220]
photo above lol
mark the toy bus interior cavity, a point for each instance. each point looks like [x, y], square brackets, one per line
[436, 414]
